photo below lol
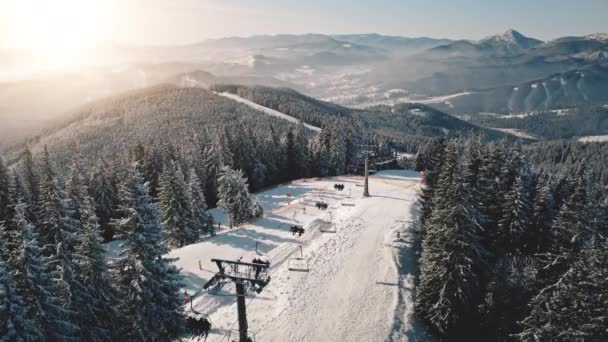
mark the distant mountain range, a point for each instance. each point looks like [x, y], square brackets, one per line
[504, 73]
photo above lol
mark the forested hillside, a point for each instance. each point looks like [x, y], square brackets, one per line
[400, 122]
[548, 125]
[509, 253]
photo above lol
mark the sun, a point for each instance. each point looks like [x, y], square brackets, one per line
[57, 24]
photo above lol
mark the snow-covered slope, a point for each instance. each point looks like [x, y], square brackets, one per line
[266, 110]
[354, 290]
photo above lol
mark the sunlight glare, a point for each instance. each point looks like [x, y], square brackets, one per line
[58, 24]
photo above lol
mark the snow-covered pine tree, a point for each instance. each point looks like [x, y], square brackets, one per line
[9, 230]
[202, 222]
[94, 298]
[41, 286]
[74, 186]
[490, 196]
[324, 163]
[571, 223]
[30, 180]
[575, 307]
[337, 148]
[429, 160]
[291, 155]
[301, 151]
[176, 211]
[4, 191]
[234, 196]
[153, 168]
[148, 284]
[256, 207]
[15, 323]
[353, 139]
[55, 212]
[516, 216]
[59, 232]
[104, 193]
[542, 217]
[452, 256]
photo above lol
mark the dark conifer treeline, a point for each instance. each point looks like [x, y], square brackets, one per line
[508, 253]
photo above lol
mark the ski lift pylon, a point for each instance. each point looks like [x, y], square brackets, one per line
[298, 264]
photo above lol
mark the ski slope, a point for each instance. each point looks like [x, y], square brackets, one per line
[267, 110]
[355, 290]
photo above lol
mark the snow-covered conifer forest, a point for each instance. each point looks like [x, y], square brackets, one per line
[218, 191]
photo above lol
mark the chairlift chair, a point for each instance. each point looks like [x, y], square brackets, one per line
[298, 264]
[329, 228]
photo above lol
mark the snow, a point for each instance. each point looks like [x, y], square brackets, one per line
[361, 278]
[267, 110]
[593, 138]
[598, 36]
[516, 132]
[305, 69]
[418, 112]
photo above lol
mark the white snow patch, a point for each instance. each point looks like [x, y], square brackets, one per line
[305, 69]
[418, 112]
[267, 110]
[593, 138]
[598, 36]
[347, 45]
[515, 132]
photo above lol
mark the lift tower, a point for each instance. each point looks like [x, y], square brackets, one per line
[242, 274]
[367, 150]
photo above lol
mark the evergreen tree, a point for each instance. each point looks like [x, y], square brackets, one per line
[202, 222]
[30, 177]
[291, 155]
[105, 196]
[42, 286]
[542, 218]
[152, 169]
[175, 208]
[571, 225]
[150, 307]
[234, 196]
[575, 307]
[4, 192]
[451, 258]
[515, 221]
[59, 233]
[94, 297]
[15, 323]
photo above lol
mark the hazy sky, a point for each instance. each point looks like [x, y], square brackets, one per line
[73, 22]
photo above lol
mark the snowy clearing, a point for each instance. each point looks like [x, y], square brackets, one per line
[516, 132]
[267, 110]
[355, 290]
[593, 138]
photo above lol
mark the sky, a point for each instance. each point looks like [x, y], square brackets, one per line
[67, 23]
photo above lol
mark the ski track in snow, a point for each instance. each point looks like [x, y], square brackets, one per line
[579, 85]
[547, 95]
[354, 290]
[267, 110]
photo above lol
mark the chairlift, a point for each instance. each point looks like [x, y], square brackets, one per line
[329, 227]
[199, 324]
[298, 264]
